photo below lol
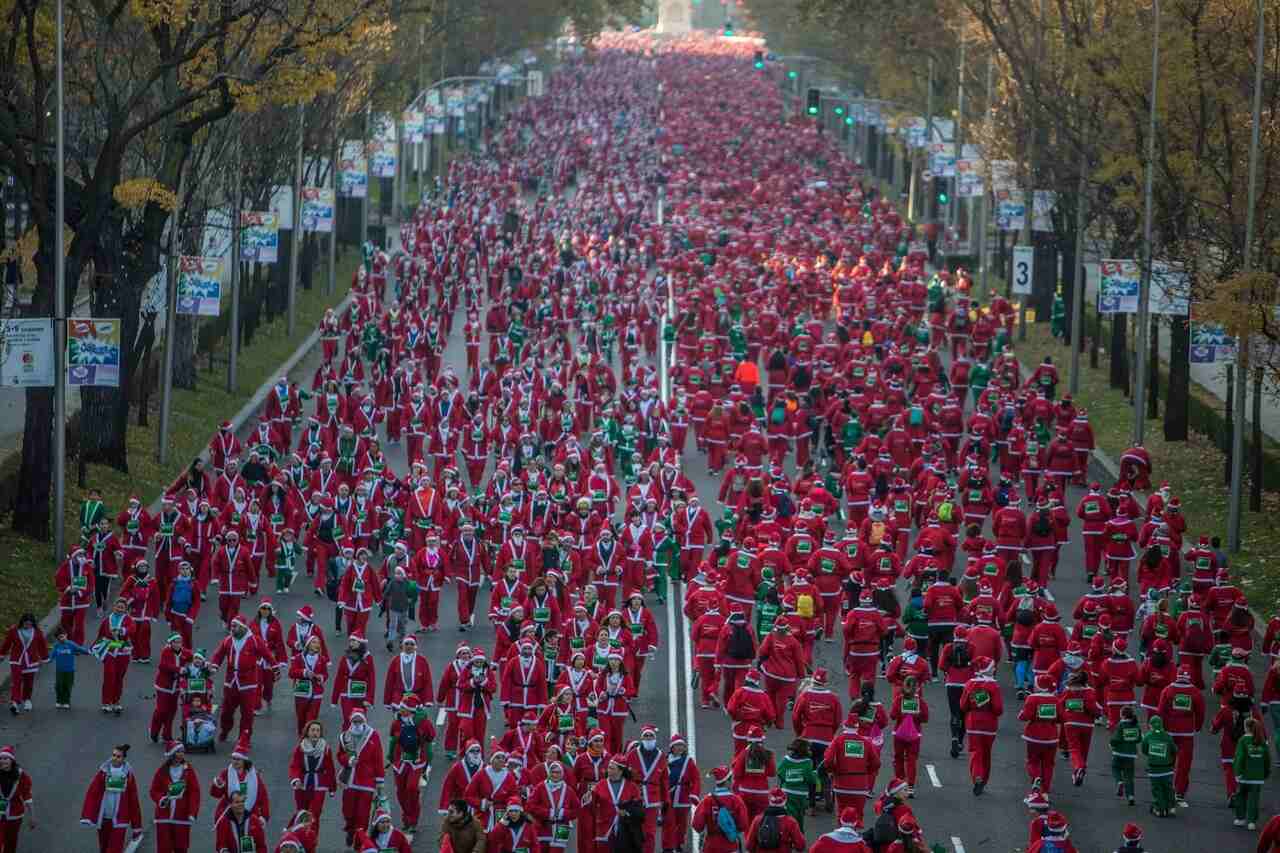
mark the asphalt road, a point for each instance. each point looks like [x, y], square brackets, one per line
[62, 749]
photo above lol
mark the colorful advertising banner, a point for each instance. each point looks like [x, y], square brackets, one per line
[353, 169]
[317, 209]
[1118, 287]
[93, 352]
[259, 237]
[199, 286]
[1210, 343]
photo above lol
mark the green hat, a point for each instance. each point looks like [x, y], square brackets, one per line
[200, 653]
[174, 636]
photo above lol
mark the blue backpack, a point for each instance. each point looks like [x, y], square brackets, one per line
[725, 823]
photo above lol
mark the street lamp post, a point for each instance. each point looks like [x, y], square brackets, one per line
[1144, 287]
[60, 319]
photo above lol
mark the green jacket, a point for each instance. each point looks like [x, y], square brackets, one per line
[666, 557]
[1252, 764]
[1125, 739]
[1159, 748]
[916, 622]
[795, 775]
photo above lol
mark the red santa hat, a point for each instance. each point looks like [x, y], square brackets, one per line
[1132, 833]
[359, 711]
[595, 734]
[515, 804]
[983, 665]
[648, 730]
[171, 748]
[1056, 823]
[678, 739]
[8, 752]
[242, 749]
[410, 702]
[849, 816]
[1044, 682]
[721, 775]
[755, 734]
[896, 785]
[820, 676]
[239, 620]
[529, 718]
[777, 797]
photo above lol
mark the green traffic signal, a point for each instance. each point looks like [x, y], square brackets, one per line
[943, 198]
[839, 110]
[793, 74]
[848, 119]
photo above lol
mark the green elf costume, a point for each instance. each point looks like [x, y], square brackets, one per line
[1252, 766]
[796, 778]
[1160, 751]
[1125, 740]
[666, 560]
[768, 607]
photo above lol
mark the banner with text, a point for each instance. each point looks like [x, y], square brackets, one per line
[1118, 287]
[26, 353]
[259, 237]
[353, 169]
[93, 352]
[199, 286]
[317, 209]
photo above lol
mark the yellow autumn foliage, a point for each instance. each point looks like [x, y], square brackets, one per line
[139, 192]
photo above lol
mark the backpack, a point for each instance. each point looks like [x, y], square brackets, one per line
[1051, 845]
[408, 740]
[804, 605]
[877, 532]
[778, 416]
[945, 510]
[1042, 526]
[884, 831]
[1026, 616]
[740, 646]
[961, 657]
[769, 834]
[726, 823]
[907, 729]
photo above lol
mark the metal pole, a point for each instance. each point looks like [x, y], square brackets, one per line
[236, 203]
[295, 244]
[954, 207]
[1237, 425]
[333, 232]
[1077, 293]
[170, 321]
[984, 264]
[368, 184]
[59, 321]
[1144, 287]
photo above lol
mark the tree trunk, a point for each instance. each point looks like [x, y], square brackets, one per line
[307, 265]
[1097, 339]
[31, 501]
[184, 351]
[1177, 398]
[1070, 272]
[1120, 353]
[1255, 455]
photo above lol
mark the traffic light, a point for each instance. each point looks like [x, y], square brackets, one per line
[759, 60]
[814, 103]
[839, 110]
[792, 74]
[728, 29]
[940, 191]
[848, 119]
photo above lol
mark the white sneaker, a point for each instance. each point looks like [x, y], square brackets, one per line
[1183, 804]
[1237, 822]
[1252, 826]
[26, 706]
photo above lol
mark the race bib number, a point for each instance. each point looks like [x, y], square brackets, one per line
[80, 582]
[854, 749]
[1075, 705]
[302, 688]
[981, 698]
[1047, 712]
[561, 833]
[1181, 702]
[357, 689]
[1158, 750]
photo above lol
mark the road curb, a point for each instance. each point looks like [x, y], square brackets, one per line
[52, 619]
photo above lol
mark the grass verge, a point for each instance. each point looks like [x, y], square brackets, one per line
[1194, 469]
[28, 568]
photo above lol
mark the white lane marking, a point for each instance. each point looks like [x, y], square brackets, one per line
[933, 775]
[958, 844]
[692, 734]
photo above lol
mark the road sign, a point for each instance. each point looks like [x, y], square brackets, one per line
[1024, 265]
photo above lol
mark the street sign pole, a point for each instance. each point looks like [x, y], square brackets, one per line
[1144, 286]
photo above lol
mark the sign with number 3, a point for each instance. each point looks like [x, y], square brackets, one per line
[1024, 262]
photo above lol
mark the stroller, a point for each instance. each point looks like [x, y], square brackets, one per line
[199, 726]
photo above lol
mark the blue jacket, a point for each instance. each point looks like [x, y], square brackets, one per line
[64, 655]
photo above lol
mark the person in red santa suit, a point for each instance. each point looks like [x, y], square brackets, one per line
[239, 828]
[982, 704]
[554, 806]
[175, 791]
[1041, 731]
[455, 783]
[266, 627]
[308, 672]
[408, 672]
[75, 584]
[240, 776]
[382, 837]
[783, 664]
[26, 650]
[111, 804]
[360, 758]
[410, 752]
[359, 591]
[229, 566]
[647, 767]
[355, 680]
[852, 761]
[790, 835]
[494, 784]
[172, 658]
[114, 633]
[313, 775]
[684, 786]
[845, 838]
[605, 801]
[523, 685]
[15, 789]
[705, 816]
[247, 658]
